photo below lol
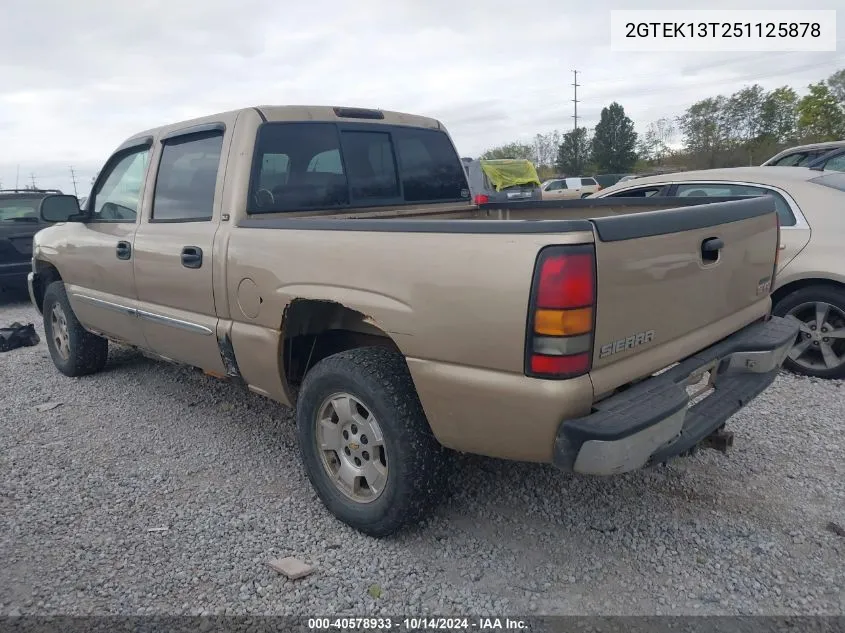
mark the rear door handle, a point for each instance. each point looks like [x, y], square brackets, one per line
[191, 256]
[124, 250]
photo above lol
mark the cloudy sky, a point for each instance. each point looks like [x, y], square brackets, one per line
[76, 78]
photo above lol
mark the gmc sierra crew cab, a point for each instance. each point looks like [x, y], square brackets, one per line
[331, 259]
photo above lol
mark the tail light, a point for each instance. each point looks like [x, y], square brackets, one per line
[561, 313]
[481, 198]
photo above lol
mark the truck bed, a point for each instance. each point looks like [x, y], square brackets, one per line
[573, 212]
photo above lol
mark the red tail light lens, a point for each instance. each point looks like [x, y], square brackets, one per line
[481, 198]
[561, 315]
[558, 365]
[566, 281]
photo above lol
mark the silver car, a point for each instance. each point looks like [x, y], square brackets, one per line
[810, 281]
[801, 155]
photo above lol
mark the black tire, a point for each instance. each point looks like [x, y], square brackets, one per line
[416, 475]
[831, 295]
[584, 195]
[87, 353]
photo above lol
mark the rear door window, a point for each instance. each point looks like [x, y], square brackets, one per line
[187, 178]
[835, 164]
[588, 182]
[726, 189]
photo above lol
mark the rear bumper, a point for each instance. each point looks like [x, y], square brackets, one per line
[652, 421]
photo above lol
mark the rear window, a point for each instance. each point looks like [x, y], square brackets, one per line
[19, 209]
[301, 166]
[588, 182]
[834, 180]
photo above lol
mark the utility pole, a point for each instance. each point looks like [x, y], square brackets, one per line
[575, 100]
[575, 117]
[73, 179]
[17, 177]
[32, 177]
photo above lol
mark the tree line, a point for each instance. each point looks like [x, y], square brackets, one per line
[745, 128]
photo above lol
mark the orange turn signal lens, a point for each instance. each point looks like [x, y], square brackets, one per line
[563, 322]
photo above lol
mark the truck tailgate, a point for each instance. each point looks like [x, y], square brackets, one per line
[679, 278]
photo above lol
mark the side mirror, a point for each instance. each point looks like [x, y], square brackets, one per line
[60, 208]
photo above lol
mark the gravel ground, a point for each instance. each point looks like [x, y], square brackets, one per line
[148, 445]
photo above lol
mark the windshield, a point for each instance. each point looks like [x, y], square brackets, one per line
[19, 209]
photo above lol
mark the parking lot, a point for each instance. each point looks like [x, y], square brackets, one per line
[154, 489]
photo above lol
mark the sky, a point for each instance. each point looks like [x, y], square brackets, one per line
[76, 79]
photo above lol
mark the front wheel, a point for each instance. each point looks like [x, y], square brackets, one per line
[819, 348]
[75, 351]
[365, 442]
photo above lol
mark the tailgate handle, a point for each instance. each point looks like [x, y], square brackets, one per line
[710, 248]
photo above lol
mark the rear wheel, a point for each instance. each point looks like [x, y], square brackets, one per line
[819, 348]
[365, 442]
[75, 351]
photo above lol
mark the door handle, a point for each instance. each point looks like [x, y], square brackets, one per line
[191, 256]
[710, 249]
[712, 244]
[124, 250]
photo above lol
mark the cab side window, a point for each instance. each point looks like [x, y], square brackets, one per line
[117, 196]
[187, 178]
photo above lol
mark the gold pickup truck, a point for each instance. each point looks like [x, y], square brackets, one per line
[331, 259]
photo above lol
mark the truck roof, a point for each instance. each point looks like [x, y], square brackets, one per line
[277, 113]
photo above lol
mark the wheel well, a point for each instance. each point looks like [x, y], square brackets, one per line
[47, 274]
[789, 288]
[313, 330]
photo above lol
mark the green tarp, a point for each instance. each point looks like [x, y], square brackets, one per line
[507, 172]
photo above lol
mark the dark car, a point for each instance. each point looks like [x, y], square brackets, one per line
[19, 221]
